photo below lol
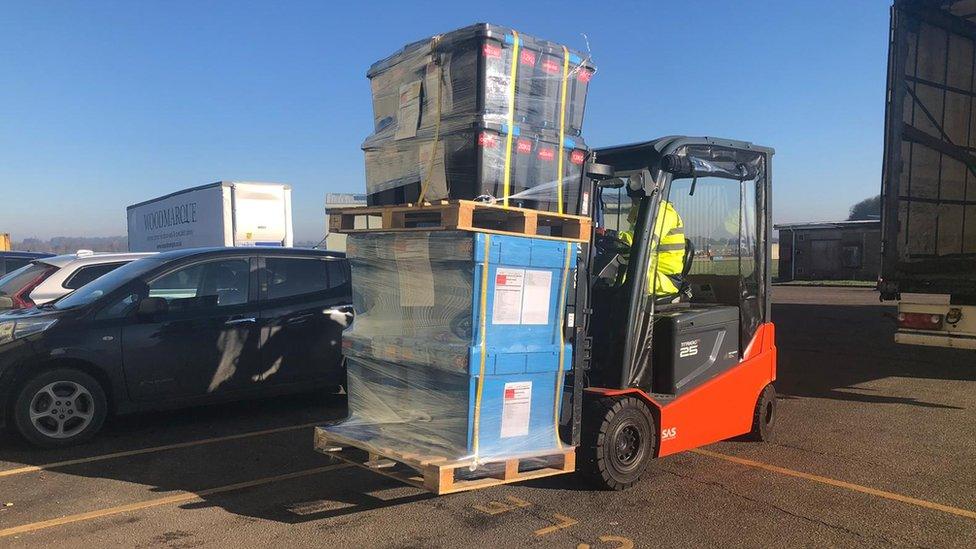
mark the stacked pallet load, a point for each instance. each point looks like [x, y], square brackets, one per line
[457, 357]
[482, 111]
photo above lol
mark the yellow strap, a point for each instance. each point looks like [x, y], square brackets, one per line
[482, 328]
[437, 128]
[513, 74]
[562, 342]
[562, 130]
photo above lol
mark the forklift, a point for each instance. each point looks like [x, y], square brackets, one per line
[654, 375]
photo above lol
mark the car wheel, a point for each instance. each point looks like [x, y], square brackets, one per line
[618, 442]
[59, 408]
[764, 416]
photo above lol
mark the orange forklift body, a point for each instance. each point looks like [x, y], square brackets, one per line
[719, 409]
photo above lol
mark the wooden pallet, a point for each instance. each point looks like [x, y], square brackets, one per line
[439, 474]
[461, 215]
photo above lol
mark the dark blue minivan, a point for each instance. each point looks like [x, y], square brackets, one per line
[171, 330]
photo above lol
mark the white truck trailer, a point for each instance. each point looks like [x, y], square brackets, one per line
[225, 213]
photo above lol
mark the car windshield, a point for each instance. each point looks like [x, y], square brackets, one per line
[104, 285]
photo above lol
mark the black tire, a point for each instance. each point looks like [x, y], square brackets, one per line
[52, 392]
[764, 416]
[618, 441]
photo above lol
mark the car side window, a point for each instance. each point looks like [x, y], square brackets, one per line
[293, 276]
[121, 307]
[338, 272]
[205, 285]
[14, 263]
[87, 274]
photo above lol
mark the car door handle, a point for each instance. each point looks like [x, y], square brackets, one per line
[236, 321]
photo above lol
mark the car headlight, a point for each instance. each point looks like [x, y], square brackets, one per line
[15, 329]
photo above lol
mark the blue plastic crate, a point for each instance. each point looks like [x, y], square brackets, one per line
[414, 368]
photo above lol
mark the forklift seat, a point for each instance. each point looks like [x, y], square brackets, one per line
[681, 280]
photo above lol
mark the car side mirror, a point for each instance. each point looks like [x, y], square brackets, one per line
[152, 306]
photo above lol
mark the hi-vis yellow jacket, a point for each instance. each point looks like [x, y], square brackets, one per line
[669, 245]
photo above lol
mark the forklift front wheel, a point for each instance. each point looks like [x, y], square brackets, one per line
[764, 417]
[618, 441]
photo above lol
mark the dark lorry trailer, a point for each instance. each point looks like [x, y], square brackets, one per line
[929, 173]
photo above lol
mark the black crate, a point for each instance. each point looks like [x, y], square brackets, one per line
[471, 163]
[474, 68]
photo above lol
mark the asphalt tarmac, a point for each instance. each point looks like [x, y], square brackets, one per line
[876, 446]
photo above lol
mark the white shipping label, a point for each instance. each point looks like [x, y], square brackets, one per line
[414, 274]
[516, 408]
[408, 112]
[535, 301]
[507, 300]
[435, 73]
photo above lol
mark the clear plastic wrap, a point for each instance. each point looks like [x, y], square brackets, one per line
[467, 74]
[471, 163]
[455, 117]
[457, 349]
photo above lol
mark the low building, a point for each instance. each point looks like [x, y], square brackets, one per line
[842, 250]
[334, 241]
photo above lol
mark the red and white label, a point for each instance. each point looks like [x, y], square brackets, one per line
[547, 153]
[507, 298]
[524, 146]
[576, 157]
[491, 50]
[516, 409]
[487, 140]
[584, 76]
[551, 66]
[527, 57]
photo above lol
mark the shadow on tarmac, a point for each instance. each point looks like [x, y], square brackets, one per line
[825, 351]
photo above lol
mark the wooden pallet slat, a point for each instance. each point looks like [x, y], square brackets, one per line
[463, 215]
[438, 474]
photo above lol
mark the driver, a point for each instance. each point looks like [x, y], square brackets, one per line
[667, 246]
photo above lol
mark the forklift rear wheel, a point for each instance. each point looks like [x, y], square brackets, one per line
[618, 441]
[764, 417]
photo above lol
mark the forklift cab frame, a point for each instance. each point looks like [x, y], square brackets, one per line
[638, 394]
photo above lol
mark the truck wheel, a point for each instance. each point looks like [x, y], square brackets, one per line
[617, 442]
[764, 417]
[59, 408]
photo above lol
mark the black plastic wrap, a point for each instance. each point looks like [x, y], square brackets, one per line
[474, 67]
[470, 163]
[481, 110]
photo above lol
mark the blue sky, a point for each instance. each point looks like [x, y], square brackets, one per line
[103, 104]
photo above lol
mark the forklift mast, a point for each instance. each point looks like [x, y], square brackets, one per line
[613, 326]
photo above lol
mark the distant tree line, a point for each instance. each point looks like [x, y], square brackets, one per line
[869, 208]
[71, 244]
